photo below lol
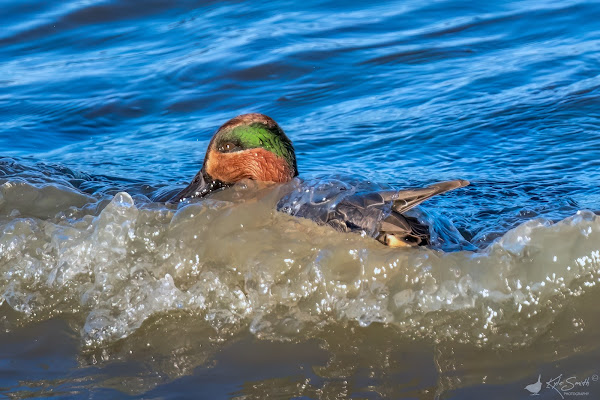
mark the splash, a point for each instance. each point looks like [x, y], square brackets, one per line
[237, 264]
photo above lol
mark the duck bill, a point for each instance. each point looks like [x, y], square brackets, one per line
[202, 185]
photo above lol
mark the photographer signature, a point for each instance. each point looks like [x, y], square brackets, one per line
[566, 386]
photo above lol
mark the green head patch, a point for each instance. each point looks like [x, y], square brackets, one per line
[256, 135]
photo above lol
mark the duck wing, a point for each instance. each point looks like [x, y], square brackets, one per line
[368, 212]
[360, 212]
[407, 199]
[378, 213]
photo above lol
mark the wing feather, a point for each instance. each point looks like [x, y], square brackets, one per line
[410, 198]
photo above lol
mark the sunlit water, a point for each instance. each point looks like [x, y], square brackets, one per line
[107, 106]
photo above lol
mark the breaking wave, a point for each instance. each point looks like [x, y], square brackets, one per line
[113, 262]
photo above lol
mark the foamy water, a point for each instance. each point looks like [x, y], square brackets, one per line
[239, 264]
[231, 265]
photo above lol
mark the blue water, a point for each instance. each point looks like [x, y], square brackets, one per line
[110, 96]
[505, 95]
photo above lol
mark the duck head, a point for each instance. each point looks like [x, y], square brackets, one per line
[249, 146]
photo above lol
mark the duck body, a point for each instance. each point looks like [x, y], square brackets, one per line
[353, 205]
[253, 146]
[344, 203]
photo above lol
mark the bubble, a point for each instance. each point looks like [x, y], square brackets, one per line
[239, 265]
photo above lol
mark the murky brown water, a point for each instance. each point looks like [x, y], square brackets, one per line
[228, 297]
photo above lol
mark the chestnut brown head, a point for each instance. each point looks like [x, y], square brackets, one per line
[249, 146]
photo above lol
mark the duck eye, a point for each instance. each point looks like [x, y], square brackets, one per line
[226, 147]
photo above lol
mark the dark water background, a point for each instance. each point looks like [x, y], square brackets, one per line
[110, 96]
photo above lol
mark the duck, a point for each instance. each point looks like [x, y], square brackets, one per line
[253, 146]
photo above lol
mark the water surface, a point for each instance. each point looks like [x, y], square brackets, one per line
[106, 106]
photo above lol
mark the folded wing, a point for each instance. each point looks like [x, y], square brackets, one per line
[379, 213]
[407, 199]
[368, 212]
